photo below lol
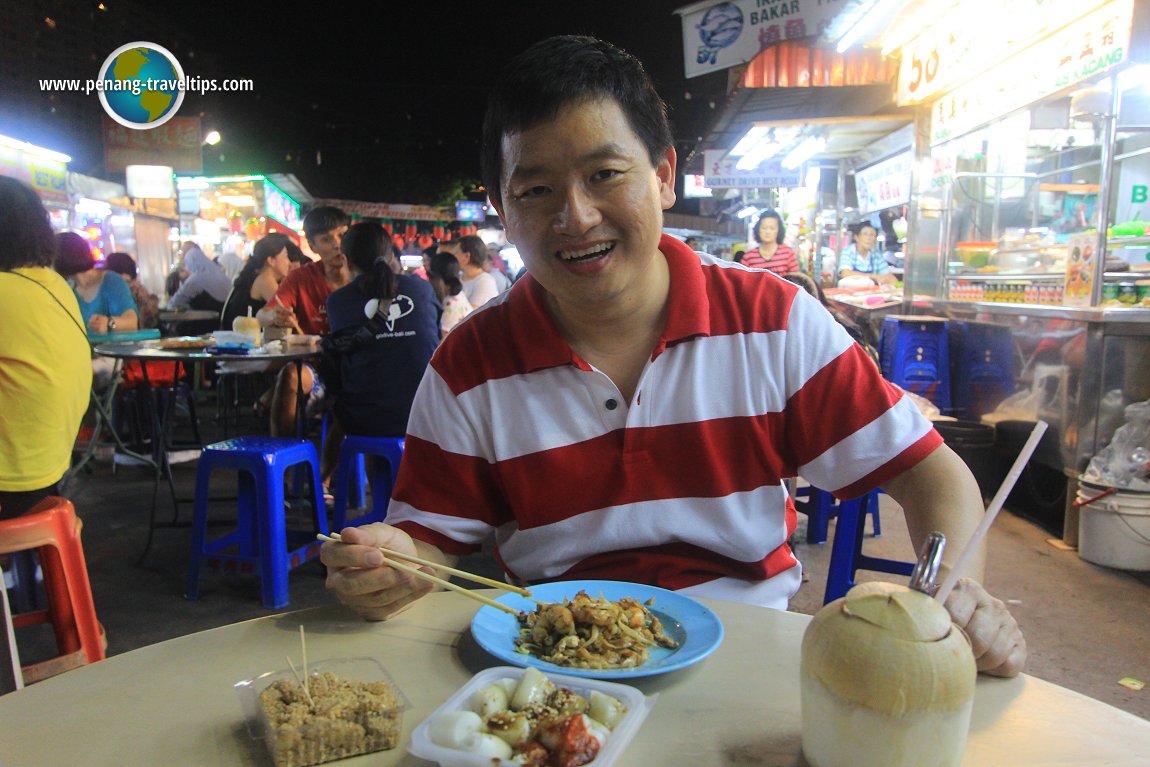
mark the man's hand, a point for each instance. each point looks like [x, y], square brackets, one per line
[358, 576]
[998, 645]
[98, 324]
[283, 317]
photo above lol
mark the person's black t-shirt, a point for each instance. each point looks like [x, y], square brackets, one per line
[379, 379]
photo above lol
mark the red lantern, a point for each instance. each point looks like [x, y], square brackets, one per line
[425, 241]
[410, 230]
[398, 241]
[437, 232]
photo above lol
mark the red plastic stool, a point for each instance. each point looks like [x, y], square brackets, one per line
[53, 528]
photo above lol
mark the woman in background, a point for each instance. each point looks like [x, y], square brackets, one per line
[262, 273]
[771, 254]
[45, 372]
[147, 305]
[444, 276]
[862, 259]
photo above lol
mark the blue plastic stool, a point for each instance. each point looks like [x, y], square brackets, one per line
[388, 451]
[914, 353]
[261, 535]
[846, 551]
[820, 507]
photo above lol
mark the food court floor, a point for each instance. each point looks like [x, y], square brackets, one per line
[1087, 626]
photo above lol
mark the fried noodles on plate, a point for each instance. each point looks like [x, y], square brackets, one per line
[585, 632]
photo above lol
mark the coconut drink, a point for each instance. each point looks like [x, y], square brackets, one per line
[886, 681]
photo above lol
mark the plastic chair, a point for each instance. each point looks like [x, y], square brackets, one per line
[820, 507]
[846, 551]
[388, 451]
[53, 530]
[260, 539]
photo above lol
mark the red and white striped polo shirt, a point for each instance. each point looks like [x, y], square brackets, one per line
[512, 433]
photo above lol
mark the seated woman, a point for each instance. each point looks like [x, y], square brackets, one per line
[385, 327]
[106, 304]
[444, 276]
[45, 376]
[147, 305]
[262, 273]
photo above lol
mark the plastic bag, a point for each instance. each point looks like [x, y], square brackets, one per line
[1125, 462]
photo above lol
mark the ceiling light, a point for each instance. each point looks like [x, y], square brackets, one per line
[749, 210]
[32, 149]
[749, 140]
[764, 150]
[807, 148]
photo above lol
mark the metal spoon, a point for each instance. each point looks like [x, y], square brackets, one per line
[925, 574]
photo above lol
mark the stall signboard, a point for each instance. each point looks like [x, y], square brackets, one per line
[884, 184]
[280, 206]
[720, 35]
[963, 43]
[390, 210]
[1081, 253]
[47, 176]
[1090, 46]
[720, 173]
[176, 143]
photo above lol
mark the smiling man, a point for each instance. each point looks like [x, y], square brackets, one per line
[637, 405]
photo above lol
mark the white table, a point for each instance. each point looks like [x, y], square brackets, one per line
[173, 704]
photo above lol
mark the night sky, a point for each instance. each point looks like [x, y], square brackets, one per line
[386, 103]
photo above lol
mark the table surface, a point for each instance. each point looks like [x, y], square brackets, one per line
[181, 315]
[152, 351]
[174, 702]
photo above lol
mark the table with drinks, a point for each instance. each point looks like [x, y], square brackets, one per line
[175, 703]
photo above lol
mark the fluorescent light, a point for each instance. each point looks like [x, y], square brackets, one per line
[808, 148]
[749, 140]
[764, 150]
[238, 200]
[95, 208]
[750, 210]
[32, 149]
[212, 138]
[865, 16]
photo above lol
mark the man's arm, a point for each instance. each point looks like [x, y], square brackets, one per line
[939, 493]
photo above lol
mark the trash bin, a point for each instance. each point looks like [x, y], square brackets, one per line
[974, 443]
[1040, 493]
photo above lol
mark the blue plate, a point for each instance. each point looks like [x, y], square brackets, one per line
[694, 626]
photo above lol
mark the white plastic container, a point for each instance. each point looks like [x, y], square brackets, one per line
[1114, 531]
[638, 705]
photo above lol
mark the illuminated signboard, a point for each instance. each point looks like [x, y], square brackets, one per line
[469, 210]
[281, 207]
[884, 184]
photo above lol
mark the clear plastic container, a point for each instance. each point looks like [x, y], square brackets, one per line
[358, 732]
[638, 705]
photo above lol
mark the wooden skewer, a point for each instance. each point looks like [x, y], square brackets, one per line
[295, 324]
[398, 565]
[428, 563]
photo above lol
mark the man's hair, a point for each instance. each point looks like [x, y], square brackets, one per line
[475, 248]
[538, 83]
[25, 234]
[323, 219]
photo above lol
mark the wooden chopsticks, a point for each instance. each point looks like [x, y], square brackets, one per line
[393, 559]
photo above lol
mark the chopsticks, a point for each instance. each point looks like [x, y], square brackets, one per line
[392, 558]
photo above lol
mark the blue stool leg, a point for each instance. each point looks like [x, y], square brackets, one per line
[820, 509]
[199, 528]
[317, 485]
[342, 480]
[247, 514]
[360, 478]
[844, 549]
[872, 500]
[272, 538]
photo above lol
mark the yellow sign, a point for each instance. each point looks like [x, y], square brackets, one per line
[968, 40]
[1095, 43]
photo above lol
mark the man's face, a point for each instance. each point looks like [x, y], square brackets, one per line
[583, 204]
[326, 246]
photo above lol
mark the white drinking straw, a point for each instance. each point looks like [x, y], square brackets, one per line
[991, 512]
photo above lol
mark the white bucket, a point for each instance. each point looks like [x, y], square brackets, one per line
[1114, 531]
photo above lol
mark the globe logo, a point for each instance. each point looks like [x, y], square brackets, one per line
[721, 25]
[139, 85]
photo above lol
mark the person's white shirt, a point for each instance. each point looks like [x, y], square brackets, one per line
[502, 284]
[480, 289]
